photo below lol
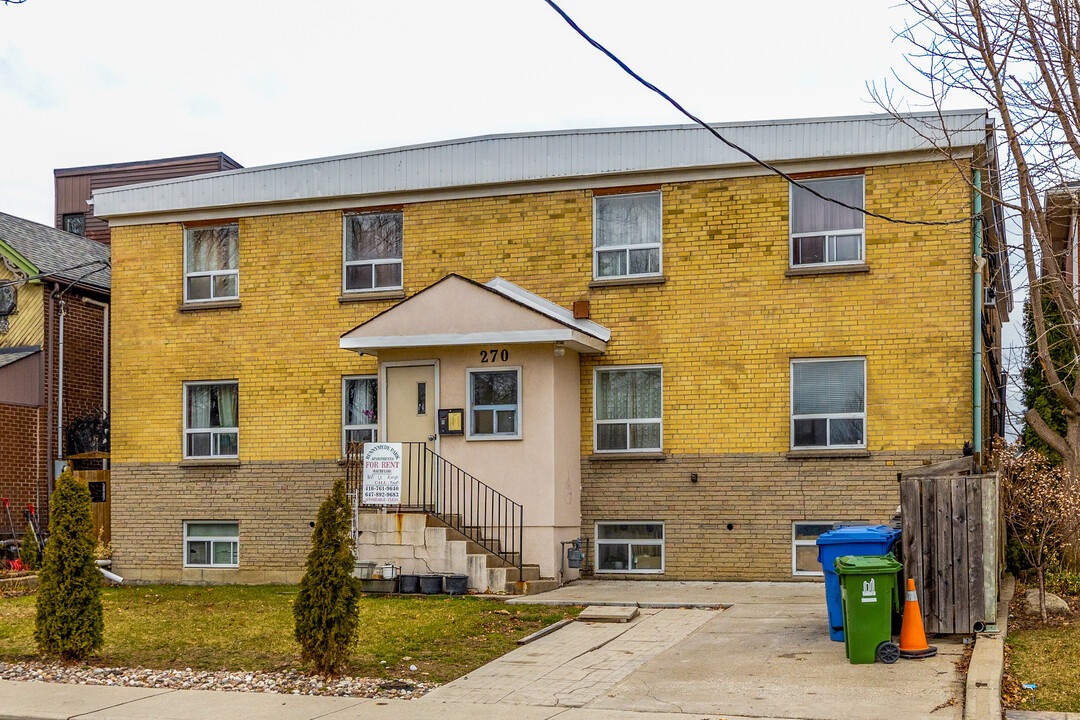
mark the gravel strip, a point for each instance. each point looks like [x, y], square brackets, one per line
[285, 683]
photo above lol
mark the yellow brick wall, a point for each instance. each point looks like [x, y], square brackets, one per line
[724, 324]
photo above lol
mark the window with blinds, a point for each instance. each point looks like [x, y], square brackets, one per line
[828, 403]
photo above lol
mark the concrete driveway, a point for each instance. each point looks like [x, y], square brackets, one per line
[767, 655]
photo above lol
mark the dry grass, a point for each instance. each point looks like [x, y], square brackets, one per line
[250, 628]
[1046, 655]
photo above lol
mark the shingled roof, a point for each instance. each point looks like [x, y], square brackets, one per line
[57, 254]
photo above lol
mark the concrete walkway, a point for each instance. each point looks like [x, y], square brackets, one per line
[766, 656]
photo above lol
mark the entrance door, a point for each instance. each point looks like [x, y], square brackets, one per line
[411, 418]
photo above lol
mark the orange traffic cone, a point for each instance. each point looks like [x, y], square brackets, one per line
[912, 636]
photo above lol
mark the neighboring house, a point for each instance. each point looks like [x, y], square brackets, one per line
[651, 341]
[54, 295]
[75, 186]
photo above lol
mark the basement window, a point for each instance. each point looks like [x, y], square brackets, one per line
[629, 547]
[211, 544]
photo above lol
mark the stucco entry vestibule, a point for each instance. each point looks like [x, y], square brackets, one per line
[457, 332]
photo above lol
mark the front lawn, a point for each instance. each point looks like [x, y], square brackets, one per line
[245, 627]
[1044, 655]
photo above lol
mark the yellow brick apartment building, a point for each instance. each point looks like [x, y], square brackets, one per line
[636, 336]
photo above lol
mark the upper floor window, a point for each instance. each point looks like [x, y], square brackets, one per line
[626, 235]
[828, 403]
[373, 251]
[359, 410]
[211, 426]
[212, 263]
[822, 232]
[629, 406]
[75, 223]
[494, 403]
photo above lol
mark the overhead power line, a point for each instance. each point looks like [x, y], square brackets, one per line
[771, 168]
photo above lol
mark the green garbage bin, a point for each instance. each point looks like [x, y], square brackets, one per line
[869, 594]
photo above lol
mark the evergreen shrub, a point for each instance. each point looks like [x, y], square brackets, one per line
[69, 622]
[326, 607]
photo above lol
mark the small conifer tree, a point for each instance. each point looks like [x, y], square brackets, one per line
[70, 622]
[325, 609]
[28, 549]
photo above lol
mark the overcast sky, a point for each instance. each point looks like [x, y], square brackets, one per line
[85, 82]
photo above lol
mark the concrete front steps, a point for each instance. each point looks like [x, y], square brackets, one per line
[422, 544]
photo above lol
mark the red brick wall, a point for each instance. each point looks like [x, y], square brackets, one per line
[22, 462]
[83, 354]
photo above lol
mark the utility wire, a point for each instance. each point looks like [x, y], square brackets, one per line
[771, 168]
[103, 263]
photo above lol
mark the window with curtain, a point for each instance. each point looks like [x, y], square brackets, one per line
[211, 423]
[212, 263]
[211, 544]
[628, 409]
[823, 232]
[494, 400]
[373, 251]
[359, 410]
[626, 235]
[828, 403]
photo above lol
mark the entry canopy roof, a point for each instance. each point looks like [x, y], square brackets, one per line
[459, 311]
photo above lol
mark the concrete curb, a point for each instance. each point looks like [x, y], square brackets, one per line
[982, 699]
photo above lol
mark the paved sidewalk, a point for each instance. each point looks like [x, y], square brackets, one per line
[676, 594]
[766, 657]
[575, 665]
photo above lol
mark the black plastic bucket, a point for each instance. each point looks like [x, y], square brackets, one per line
[457, 584]
[431, 584]
[409, 584]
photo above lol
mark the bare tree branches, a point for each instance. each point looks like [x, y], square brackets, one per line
[1021, 57]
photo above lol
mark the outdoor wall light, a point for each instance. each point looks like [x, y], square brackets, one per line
[693, 477]
[560, 349]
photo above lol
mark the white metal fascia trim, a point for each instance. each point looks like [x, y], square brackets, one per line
[587, 182]
[546, 307]
[578, 340]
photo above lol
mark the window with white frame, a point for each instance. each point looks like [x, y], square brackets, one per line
[626, 235]
[495, 403]
[630, 547]
[628, 409]
[359, 410]
[211, 425]
[828, 403]
[211, 544]
[804, 553]
[212, 263]
[822, 232]
[373, 251]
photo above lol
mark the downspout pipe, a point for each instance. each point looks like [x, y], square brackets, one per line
[977, 313]
[60, 385]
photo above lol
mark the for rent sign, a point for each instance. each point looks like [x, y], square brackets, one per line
[382, 474]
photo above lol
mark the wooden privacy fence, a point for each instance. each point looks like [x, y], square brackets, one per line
[102, 497]
[952, 548]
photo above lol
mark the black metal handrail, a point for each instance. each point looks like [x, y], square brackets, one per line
[430, 483]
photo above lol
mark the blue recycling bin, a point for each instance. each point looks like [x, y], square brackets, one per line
[854, 540]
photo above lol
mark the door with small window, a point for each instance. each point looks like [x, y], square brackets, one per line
[411, 417]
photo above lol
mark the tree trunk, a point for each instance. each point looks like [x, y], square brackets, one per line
[1042, 590]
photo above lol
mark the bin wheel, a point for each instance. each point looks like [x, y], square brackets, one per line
[888, 652]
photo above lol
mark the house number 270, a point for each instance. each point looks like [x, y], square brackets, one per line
[494, 355]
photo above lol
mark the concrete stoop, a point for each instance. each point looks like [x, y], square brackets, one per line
[421, 544]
